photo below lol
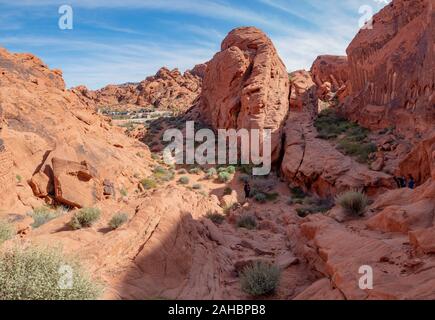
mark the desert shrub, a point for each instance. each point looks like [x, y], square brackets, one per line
[227, 191]
[19, 178]
[197, 186]
[354, 143]
[356, 149]
[195, 170]
[260, 197]
[353, 202]
[38, 273]
[7, 231]
[162, 174]
[224, 177]
[215, 217]
[43, 215]
[271, 196]
[314, 205]
[123, 192]
[297, 193]
[221, 169]
[118, 220]
[260, 278]
[244, 178]
[148, 183]
[231, 169]
[182, 171]
[247, 221]
[184, 180]
[84, 218]
[210, 173]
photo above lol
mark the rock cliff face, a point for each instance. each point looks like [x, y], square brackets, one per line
[167, 90]
[391, 69]
[42, 121]
[246, 86]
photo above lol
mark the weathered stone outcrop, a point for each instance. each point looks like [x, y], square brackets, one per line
[303, 93]
[40, 121]
[168, 89]
[391, 69]
[246, 86]
[338, 253]
[317, 166]
[330, 73]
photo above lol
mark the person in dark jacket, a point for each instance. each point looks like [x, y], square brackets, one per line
[247, 189]
[411, 182]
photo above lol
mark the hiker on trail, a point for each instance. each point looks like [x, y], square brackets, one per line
[411, 182]
[400, 181]
[247, 189]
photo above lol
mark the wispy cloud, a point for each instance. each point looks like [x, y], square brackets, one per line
[104, 50]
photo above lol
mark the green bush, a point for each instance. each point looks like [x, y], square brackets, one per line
[19, 178]
[210, 173]
[197, 186]
[182, 171]
[247, 221]
[148, 183]
[260, 197]
[224, 177]
[40, 274]
[357, 149]
[118, 220]
[7, 231]
[228, 191]
[231, 169]
[297, 192]
[84, 218]
[195, 170]
[259, 279]
[184, 180]
[354, 203]
[43, 215]
[215, 217]
[163, 174]
[314, 205]
[123, 192]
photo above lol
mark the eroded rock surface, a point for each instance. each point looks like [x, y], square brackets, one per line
[246, 86]
[391, 69]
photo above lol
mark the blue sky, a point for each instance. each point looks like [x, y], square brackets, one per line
[117, 41]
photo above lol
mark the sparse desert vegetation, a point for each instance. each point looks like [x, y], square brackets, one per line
[259, 279]
[37, 273]
[118, 220]
[353, 202]
[84, 218]
[7, 231]
[352, 139]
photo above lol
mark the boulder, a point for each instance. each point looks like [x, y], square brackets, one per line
[246, 86]
[75, 184]
[330, 74]
[303, 92]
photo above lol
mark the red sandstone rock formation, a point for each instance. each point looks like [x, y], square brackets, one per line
[166, 90]
[303, 93]
[392, 67]
[330, 73]
[41, 120]
[246, 86]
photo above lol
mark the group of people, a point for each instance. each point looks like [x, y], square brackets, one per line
[402, 182]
